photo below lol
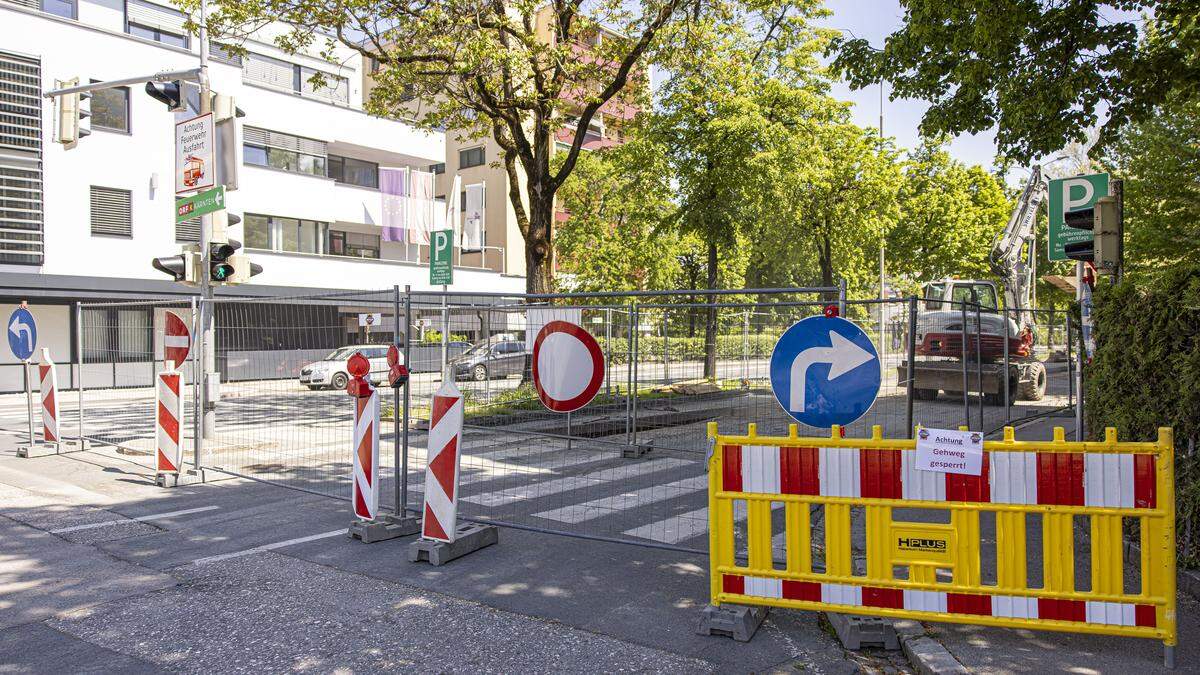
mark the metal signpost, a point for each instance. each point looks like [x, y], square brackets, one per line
[825, 371]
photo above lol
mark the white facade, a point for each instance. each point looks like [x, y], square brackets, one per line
[96, 46]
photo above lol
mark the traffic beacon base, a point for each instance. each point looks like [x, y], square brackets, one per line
[736, 621]
[468, 538]
[186, 477]
[56, 448]
[442, 537]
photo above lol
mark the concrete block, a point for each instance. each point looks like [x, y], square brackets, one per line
[929, 657]
[639, 450]
[188, 477]
[739, 622]
[383, 528]
[47, 449]
[469, 538]
[857, 632]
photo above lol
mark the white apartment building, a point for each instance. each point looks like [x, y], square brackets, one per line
[84, 223]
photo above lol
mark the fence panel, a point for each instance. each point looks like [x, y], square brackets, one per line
[122, 350]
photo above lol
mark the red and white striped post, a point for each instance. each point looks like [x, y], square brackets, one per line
[168, 388]
[364, 488]
[48, 386]
[441, 471]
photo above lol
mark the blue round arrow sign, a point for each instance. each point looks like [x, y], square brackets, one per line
[22, 333]
[825, 371]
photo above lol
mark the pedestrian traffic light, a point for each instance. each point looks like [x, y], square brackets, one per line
[225, 264]
[183, 268]
[73, 113]
[171, 93]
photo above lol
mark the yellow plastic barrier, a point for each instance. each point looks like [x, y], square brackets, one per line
[933, 570]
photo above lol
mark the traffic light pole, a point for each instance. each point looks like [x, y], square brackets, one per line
[207, 344]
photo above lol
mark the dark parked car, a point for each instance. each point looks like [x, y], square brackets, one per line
[489, 360]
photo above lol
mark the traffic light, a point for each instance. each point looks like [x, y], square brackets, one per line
[226, 265]
[1080, 219]
[73, 113]
[183, 268]
[1104, 248]
[171, 93]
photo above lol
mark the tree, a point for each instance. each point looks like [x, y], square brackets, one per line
[1043, 71]
[618, 234]
[950, 215]
[1160, 161]
[518, 71]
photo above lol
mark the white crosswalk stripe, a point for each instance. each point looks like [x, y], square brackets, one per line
[546, 488]
[686, 525]
[578, 513]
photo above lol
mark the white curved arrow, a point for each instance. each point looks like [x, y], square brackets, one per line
[17, 327]
[842, 355]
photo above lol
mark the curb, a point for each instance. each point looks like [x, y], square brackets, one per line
[926, 655]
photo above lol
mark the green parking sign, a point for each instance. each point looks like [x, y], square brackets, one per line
[1070, 194]
[441, 258]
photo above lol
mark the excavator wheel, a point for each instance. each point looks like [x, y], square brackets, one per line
[925, 394]
[1033, 388]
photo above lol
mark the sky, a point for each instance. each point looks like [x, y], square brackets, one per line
[874, 20]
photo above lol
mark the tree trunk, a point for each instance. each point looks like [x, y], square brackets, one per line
[710, 321]
[825, 258]
[538, 243]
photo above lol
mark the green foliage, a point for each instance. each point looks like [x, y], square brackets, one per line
[1043, 72]
[950, 215]
[729, 347]
[434, 337]
[1146, 374]
[1159, 159]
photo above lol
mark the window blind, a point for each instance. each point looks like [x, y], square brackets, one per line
[111, 211]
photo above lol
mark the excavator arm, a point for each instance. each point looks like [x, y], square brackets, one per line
[1008, 259]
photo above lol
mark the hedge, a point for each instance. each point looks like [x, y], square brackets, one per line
[1146, 374]
[650, 348]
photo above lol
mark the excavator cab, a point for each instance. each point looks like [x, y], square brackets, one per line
[948, 294]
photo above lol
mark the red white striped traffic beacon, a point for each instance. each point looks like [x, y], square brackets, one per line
[441, 472]
[48, 385]
[364, 488]
[168, 394]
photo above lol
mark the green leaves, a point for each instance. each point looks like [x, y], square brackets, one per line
[1042, 72]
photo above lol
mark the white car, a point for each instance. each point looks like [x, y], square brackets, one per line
[332, 372]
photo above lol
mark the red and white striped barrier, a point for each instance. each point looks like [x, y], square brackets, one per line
[1009, 477]
[48, 385]
[441, 473]
[168, 393]
[364, 486]
[1012, 606]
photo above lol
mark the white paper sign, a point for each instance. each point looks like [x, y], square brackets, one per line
[950, 451]
[195, 154]
[370, 319]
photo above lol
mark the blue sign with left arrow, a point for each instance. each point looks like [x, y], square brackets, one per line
[825, 371]
[22, 333]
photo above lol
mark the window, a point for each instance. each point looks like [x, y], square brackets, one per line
[283, 151]
[188, 230]
[112, 212]
[117, 335]
[110, 109]
[275, 233]
[156, 22]
[354, 171]
[223, 54]
[470, 158]
[21, 160]
[294, 77]
[438, 168]
[63, 8]
[353, 244]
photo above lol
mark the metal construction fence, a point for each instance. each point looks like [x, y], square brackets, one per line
[629, 467]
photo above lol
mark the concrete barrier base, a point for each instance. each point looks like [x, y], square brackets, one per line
[857, 632]
[383, 528]
[470, 538]
[736, 621]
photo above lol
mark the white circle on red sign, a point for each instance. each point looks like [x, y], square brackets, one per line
[177, 340]
[568, 366]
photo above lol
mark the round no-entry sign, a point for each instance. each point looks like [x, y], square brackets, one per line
[177, 340]
[568, 366]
